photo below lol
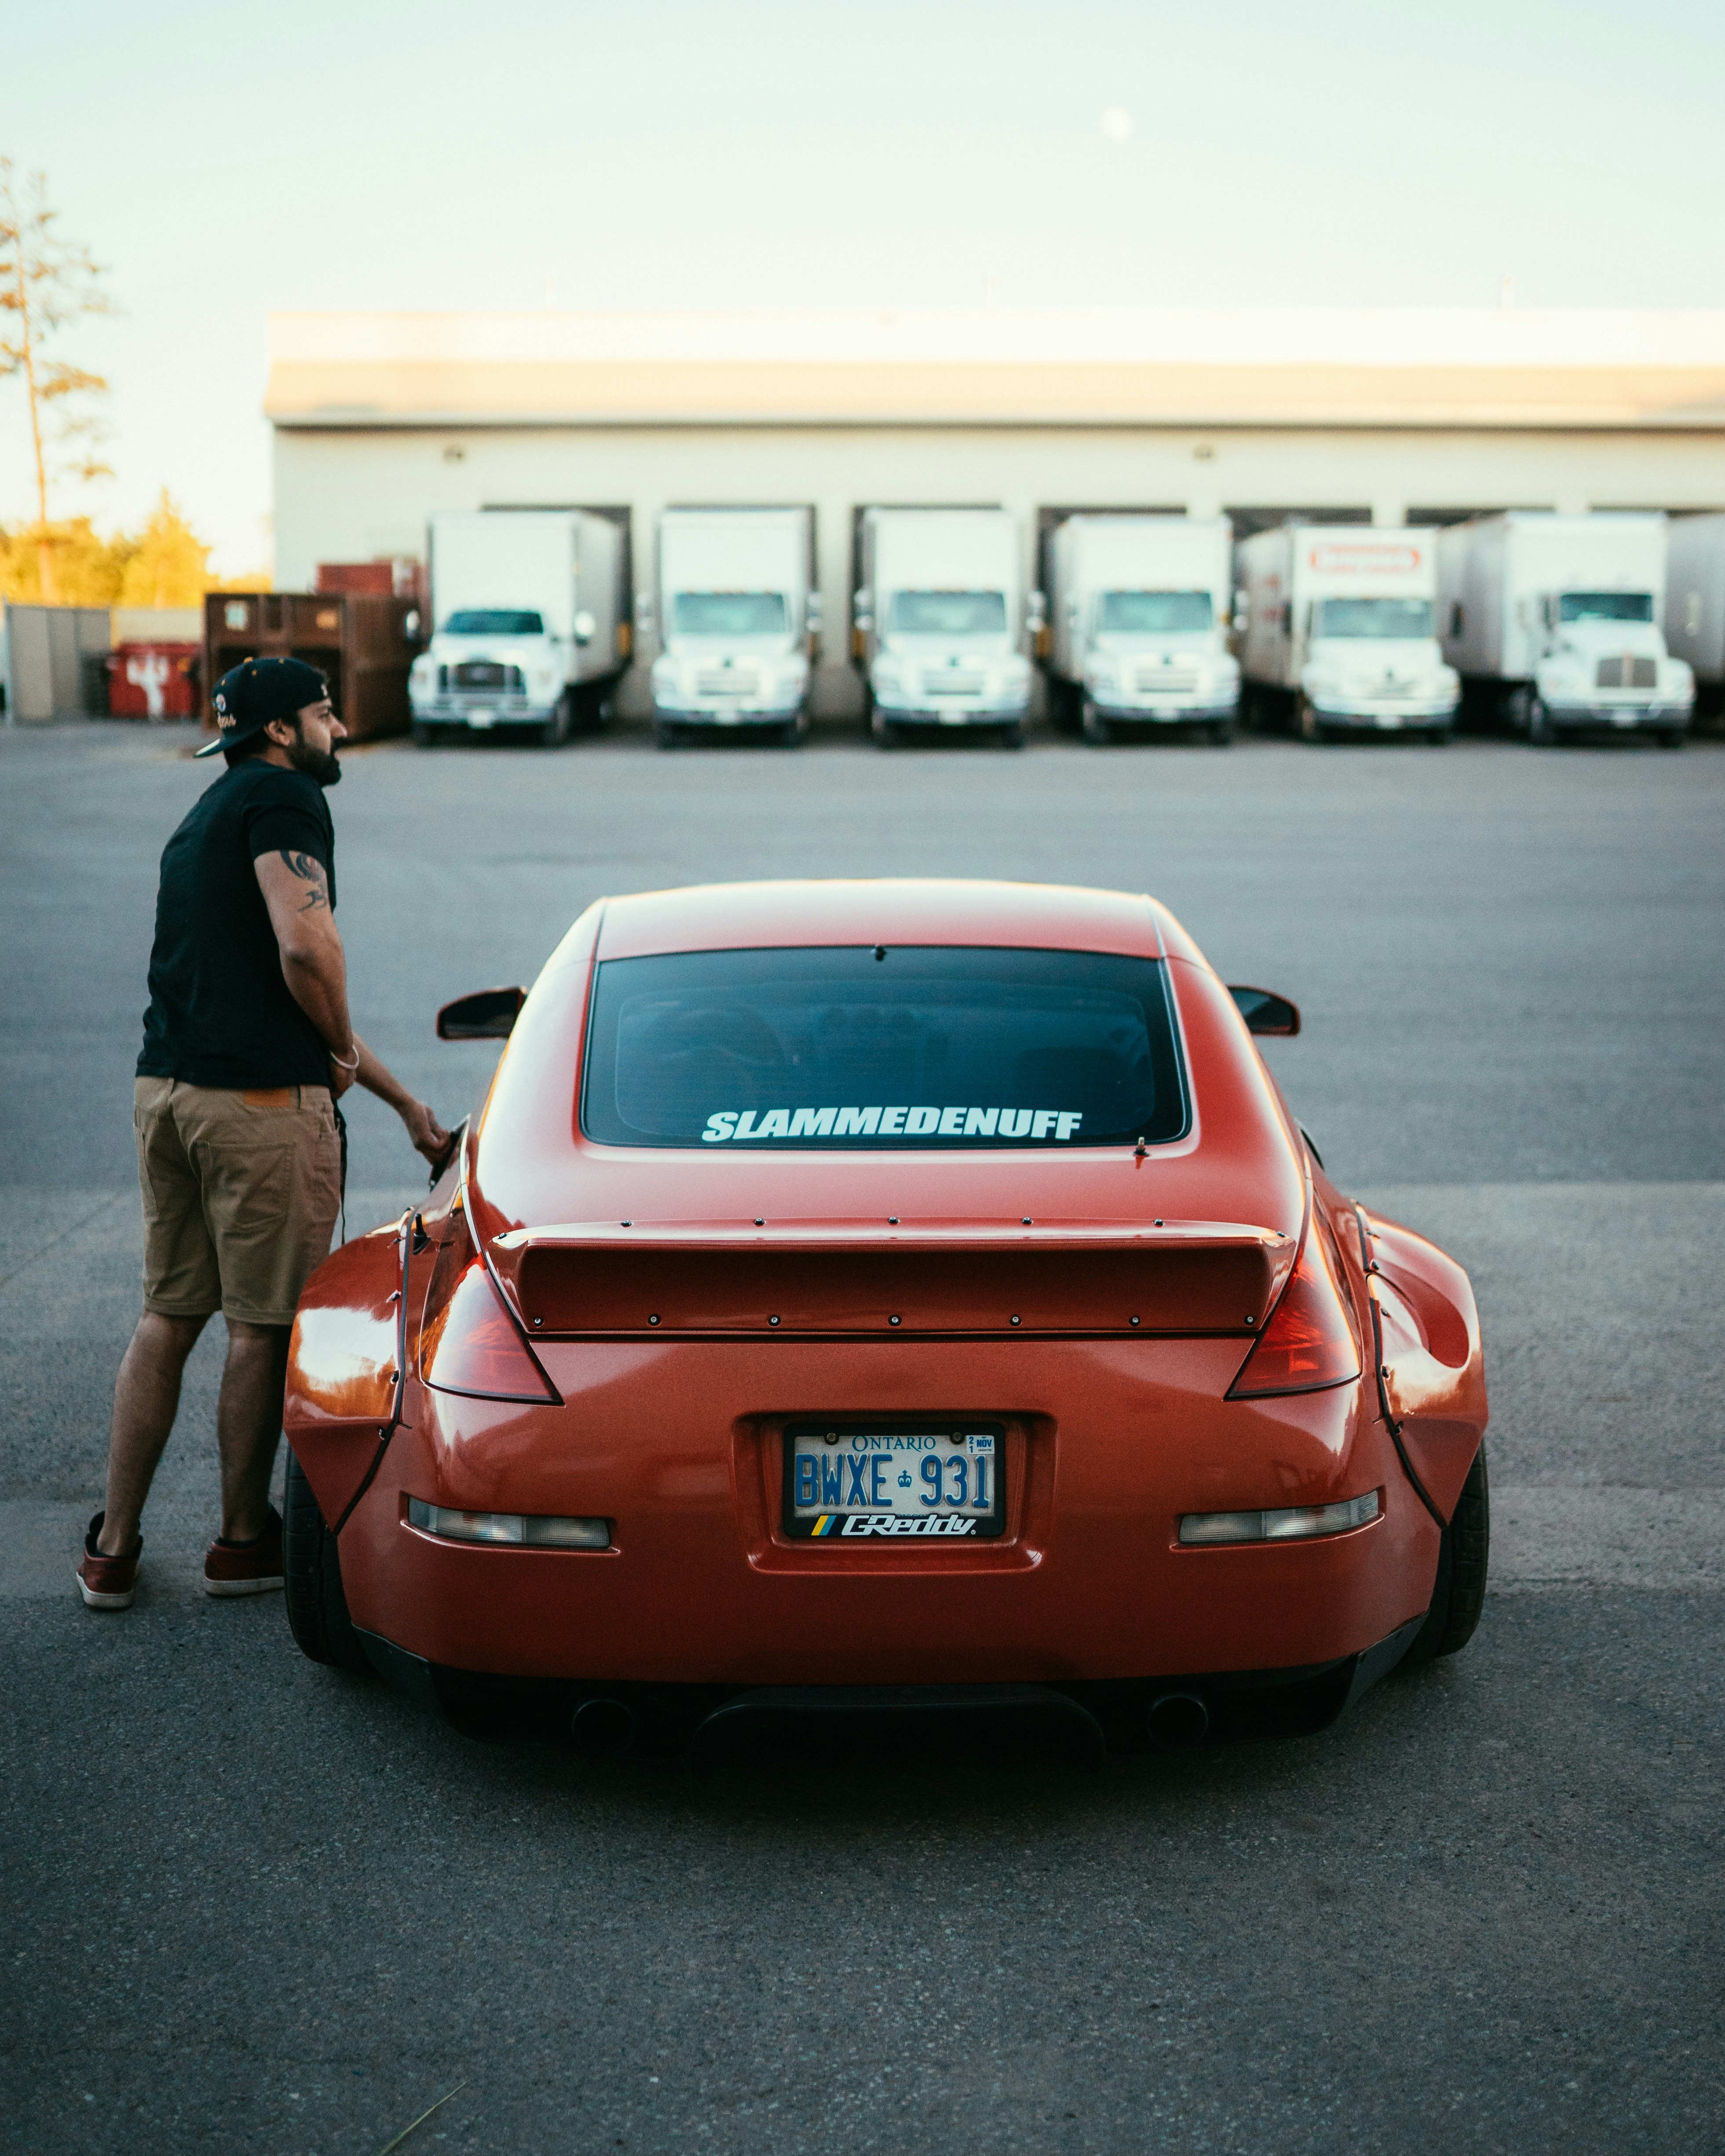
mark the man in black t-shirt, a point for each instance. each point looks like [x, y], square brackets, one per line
[247, 1048]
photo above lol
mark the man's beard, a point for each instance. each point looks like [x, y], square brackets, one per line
[318, 763]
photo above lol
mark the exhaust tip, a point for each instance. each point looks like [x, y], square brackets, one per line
[1177, 1719]
[603, 1728]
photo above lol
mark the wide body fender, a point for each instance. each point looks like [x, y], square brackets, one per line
[1432, 1363]
[344, 1380]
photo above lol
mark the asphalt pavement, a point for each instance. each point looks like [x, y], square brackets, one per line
[248, 1903]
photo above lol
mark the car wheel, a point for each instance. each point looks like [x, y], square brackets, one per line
[317, 1603]
[1459, 1594]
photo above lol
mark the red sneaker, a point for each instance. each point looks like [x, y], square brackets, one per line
[106, 1583]
[252, 1568]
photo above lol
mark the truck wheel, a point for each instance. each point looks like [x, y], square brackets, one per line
[1306, 723]
[1011, 736]
[1670, 737]
[1438, 737]
[1096, 730]
[317, 1602]
[1541, 733]
[558, 728]
[425, 735]
[1222, 733]
[1458, 1595]
[666, 736]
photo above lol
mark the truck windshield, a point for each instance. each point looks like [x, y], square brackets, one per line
[1152, 613]
[948, 613]
[1605, 606]
[729, 613]
[1397, 617]
[493, 621]
[845, 1050]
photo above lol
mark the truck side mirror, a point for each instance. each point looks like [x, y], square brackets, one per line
[487, 1015]
[1265, 1011]
[586, 628]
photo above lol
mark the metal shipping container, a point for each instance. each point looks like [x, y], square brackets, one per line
[363, 642]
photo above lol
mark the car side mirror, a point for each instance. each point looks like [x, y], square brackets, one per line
[1265, 1012]
[488, 1014]
[586, 628]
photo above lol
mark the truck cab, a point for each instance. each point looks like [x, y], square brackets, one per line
[1602, 660]
[739, 620]
[1371, 658]
[492, 666]
[941, 622]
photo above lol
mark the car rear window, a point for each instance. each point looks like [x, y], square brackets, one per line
[874, 1047]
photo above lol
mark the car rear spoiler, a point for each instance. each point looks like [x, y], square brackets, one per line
[945, 1277]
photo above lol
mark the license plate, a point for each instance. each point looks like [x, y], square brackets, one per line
[481, 718]
[928, 1481]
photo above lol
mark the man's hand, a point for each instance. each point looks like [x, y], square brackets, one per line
[342, 1075]
[428, 1134]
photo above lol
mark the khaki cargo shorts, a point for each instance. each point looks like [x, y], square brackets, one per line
[241, 1192]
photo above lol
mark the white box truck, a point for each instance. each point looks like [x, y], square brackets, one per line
[739, 621]
[943, 622]
[1339, 629]
[1138, 610]
[1695, 599]
[531, 624]
[1555, 621]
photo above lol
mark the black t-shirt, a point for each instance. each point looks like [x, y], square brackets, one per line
[220, 1012]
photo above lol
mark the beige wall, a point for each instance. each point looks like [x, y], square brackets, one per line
[349, 494]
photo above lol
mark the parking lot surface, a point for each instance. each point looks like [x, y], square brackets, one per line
[250, 1903]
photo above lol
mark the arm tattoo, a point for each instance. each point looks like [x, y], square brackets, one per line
[309, 869]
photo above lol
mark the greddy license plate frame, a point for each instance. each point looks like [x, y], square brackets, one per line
[966, 1445]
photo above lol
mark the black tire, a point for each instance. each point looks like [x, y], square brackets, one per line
[1094, 728]
[1459, 1594]
[666, 736]
[1221, 733]
[1671, 738]
[1011, 736]
[425, 735]
[316, 1604]
[1541, 733]
[1438, 738]
[1306, 723]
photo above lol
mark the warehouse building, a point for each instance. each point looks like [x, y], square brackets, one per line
[1385, 416]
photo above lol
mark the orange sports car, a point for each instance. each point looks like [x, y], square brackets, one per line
[899, 1300]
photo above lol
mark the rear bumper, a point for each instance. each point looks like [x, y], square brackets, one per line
[1107, 1443]
[710, 1724]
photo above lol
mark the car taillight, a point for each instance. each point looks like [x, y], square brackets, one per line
[469, 1343]
[1308, 1343]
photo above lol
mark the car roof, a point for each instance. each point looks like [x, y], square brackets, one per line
[903, 909]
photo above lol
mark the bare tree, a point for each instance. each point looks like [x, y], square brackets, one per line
[46, 283]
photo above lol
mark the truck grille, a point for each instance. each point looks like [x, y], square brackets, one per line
[726, 682]
[1172, 680]
[1627, 673]
[482, 674]
[950, 681]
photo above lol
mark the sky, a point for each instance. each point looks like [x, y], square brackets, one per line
[225, 161]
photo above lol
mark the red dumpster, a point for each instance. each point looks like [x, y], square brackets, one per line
[154, 680]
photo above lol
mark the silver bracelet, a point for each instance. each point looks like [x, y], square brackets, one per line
[341, 1063]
